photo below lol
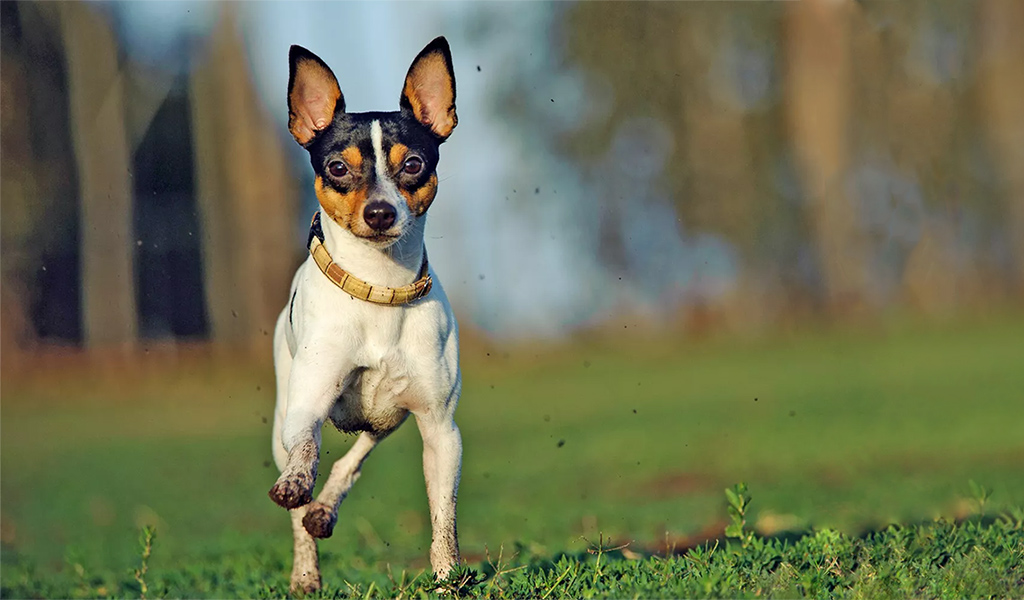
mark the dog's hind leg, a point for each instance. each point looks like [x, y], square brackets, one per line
[322, 514]
[306, 562]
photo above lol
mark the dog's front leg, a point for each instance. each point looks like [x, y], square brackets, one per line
[442, 462]
[313, 388]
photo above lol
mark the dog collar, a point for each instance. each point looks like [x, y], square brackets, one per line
[357, 288]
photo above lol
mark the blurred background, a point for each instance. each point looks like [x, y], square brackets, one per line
[629, 180]
[694, 165]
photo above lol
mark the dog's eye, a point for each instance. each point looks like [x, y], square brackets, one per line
[413, 165]
[337, 169]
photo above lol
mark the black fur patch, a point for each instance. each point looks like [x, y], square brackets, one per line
[353, 129]
[291, 305]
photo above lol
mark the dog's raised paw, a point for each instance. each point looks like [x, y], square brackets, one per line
[292, 492]
[319, 520]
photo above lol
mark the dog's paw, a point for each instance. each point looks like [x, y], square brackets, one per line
[319, 520]
[292, 492]
[304, 584]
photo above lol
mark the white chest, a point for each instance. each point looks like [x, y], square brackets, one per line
[377, 396]
[385, 360]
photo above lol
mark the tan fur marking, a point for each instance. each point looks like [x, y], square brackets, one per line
[311, 100]
[409, 91]
[431, 94]
[345, 209]
[354, 158]
[419, 201]
[396, 155]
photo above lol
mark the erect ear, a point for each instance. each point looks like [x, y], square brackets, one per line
[313, 95]
[429, 90]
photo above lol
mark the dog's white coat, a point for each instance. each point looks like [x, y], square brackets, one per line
[358, 363]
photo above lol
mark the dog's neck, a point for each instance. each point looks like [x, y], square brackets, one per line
[394, 266]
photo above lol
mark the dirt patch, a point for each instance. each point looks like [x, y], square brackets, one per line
[680, 544]
[674, 485]
[670, 545]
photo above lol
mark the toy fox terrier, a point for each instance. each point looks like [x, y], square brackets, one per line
[368, 335]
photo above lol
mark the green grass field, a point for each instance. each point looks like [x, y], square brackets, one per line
[566, 450]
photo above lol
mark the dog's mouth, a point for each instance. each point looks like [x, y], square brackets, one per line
[381, 238]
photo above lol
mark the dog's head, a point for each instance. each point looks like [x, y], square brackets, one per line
[376, 171]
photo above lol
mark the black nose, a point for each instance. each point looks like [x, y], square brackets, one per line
[379, 215]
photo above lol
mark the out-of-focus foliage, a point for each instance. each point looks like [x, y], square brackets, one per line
[846, 156]
[708, 165]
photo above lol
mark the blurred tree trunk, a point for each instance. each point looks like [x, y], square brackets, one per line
[731, 137]
[245, 196]
[817, 82]
[1001, 91]
[95, 88]
[225, 302]
[17, 187]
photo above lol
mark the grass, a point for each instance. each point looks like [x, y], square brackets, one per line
[569, 452]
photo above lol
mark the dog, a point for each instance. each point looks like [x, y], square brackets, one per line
[368, 336]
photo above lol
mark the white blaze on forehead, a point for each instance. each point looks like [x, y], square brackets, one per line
[379, 159]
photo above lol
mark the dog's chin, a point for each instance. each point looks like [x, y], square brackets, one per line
[380, 241]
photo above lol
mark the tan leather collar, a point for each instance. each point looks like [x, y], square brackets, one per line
[357, 288]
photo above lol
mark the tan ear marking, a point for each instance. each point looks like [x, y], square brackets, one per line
[429, 90]
[313, 96]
